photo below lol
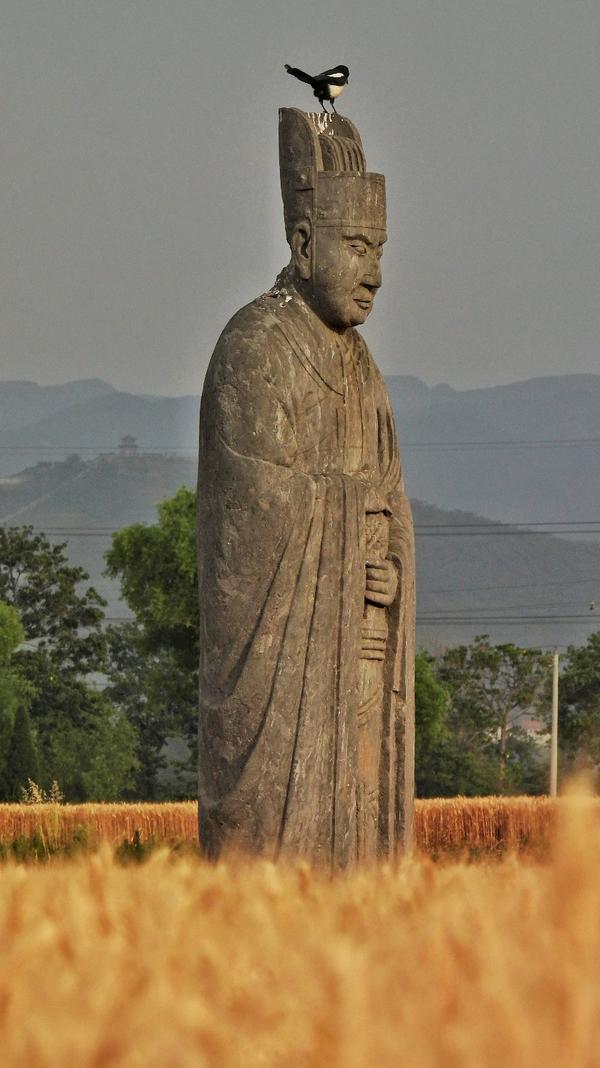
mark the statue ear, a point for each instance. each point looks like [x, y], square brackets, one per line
[301, 246]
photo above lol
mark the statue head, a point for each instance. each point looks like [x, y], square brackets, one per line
[334, 215]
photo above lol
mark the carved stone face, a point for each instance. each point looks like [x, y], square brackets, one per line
[342, 285]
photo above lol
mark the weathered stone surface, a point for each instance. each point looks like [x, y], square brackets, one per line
[306, 558]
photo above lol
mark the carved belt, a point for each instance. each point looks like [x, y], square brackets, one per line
[374, 629]
[373, 639]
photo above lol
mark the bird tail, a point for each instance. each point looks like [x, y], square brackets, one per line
[303, 77]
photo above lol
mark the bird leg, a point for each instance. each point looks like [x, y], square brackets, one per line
[333, 105]
[323, 105]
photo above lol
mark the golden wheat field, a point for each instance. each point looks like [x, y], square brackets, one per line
[440, 825]
[176, 963]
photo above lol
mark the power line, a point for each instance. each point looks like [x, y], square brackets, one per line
[479, 620]
[74, 530]
[518, 523]
[473, 444]
[517, 586]
[75, 534]
[502, 533]
[442, 621]
[524, 443]
[488, 529]
[427, 534]
[518, 607]
[108, 450]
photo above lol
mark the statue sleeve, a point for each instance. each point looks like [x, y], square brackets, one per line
[398, 783]
[248, 493]
[278, 572]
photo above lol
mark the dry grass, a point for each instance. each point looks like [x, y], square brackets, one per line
[245, 965]
[448, 824]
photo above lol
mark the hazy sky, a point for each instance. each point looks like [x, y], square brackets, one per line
[140, 201]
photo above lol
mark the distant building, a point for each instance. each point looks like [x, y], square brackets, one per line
[128, 445]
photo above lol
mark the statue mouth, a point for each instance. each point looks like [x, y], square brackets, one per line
[364, 302]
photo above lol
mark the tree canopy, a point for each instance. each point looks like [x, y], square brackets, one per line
[154, 663]
[579, 705]
[492, 688]
[156, 566]
[15, 697]
[81, 739]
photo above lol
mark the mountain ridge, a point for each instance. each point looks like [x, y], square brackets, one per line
[495, 451]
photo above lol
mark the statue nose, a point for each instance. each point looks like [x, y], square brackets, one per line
[373, 277]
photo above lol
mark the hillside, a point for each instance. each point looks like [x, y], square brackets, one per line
[94, 424]
[461, 448]
[24, 403]
[460, 572]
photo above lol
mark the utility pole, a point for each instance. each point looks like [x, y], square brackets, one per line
[554, 735]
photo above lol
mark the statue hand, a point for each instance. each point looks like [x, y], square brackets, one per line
[382, 582]
[374, 502]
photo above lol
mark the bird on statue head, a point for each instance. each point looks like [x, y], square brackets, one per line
[327, 85]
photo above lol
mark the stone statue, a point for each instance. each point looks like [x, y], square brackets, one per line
[306, 559]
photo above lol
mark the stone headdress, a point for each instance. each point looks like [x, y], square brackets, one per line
[324, 174]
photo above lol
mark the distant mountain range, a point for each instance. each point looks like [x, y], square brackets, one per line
[525, 451]
[528, 451]
[39, 423]
[468, 580]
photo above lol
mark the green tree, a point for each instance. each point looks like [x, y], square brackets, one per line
[58, 611]
[491, 688]
[432, 737]
[22, 760]
[94, 760]
[155, 693]
[443, 766]
[15, 692]
[76, 729]
[153, 665]
[579, 705]
[11, 632]
[156, 566]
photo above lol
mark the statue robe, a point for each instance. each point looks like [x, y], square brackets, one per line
[297, 444]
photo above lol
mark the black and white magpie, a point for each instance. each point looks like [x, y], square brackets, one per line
[326, 86]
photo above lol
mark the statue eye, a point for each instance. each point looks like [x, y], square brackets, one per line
[359, 247]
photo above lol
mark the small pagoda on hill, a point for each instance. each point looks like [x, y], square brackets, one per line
[128, 446]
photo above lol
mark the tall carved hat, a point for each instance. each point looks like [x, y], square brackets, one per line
[324, 174]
